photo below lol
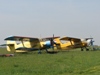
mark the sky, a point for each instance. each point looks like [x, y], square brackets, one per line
[43, 18]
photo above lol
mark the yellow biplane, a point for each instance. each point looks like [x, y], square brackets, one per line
[26, 44]
[67, 43]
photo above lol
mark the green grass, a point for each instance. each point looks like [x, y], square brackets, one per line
[62, 63]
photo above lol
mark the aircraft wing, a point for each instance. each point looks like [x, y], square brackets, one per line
[88, 38]
[71, 39]
[28, 49]
[6, 44]
[75, 42]
[20, 38]
[48, 38]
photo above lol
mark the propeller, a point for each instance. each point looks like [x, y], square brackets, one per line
[52, 42]
[90, 42]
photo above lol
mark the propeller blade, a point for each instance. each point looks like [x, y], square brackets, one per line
[91, 43]
[52, 42]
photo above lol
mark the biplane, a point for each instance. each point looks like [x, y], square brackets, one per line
[26, 44]
[67, 43]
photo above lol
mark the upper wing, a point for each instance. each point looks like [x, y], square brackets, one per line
[88, 38]
[71, 39]
[75, 42]
[20, 38]
[48, 38]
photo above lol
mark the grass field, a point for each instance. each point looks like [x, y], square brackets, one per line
[62, 63]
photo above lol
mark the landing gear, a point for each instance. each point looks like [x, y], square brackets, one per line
[39, 51]
[85, 48]
[81, 49]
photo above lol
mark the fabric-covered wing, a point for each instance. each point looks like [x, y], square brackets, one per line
[6, 44]
[20, 38]
[48, 38]
[88, 38]
[71, 39]
[75, 42]
[28, 49]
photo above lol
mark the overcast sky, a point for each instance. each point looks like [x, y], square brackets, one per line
[35, 18]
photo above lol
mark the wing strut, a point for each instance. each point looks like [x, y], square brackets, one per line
[71, 42]
[23, 44]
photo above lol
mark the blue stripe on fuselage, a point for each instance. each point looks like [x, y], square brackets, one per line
[48, 43]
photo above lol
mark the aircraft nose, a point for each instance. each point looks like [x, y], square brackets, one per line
[47, 43]
[90, 42]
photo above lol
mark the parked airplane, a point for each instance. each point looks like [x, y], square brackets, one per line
[25, 44]
[67, 43]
